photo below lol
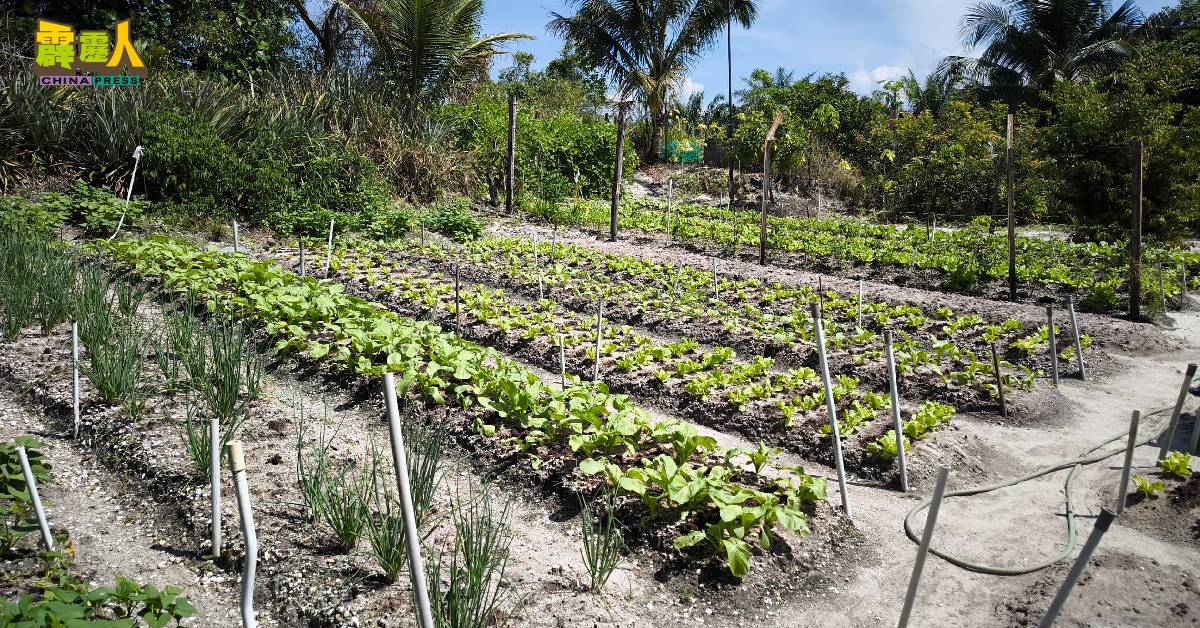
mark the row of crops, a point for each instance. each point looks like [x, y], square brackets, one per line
[735, 354]
[718, 502]
[964, 259]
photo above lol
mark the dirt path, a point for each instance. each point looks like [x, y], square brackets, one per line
[117, 531]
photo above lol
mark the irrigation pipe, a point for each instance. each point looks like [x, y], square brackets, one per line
[1075, 465]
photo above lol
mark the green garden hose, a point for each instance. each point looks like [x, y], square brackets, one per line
[1074, 465]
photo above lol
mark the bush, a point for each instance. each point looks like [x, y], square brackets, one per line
[1100, 298]
[187, 161]
[391, 223]
[453, 218]
[97, 209]
[35, 219]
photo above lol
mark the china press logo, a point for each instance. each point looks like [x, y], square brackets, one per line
[86, 58]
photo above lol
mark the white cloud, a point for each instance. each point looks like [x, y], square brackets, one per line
[865, 82]
[689, 87]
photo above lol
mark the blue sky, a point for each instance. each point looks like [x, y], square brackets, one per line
[868, 40]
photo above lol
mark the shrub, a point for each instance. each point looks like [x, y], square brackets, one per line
[1101, 298]
[391, 223]
[38, 219]
[187, 161]
[97, 210]
[453, 219]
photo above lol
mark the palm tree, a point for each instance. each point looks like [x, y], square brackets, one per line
[645, 46]
[932, 95]
[1032, 44]
[426, 47]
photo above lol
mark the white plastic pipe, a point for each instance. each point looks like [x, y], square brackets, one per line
[329, 249]
[1169, 436]
[214, 477]
[670, 190]
[599, 329]
[923, 549]
[898, 424]
[400, 460]
[237, 464]
[302, 274]
[1053, 345]
[235, 236]
[832, 407]
[562, 361]
[457, 319]
[860, 297]
[75, 375]
[137, 159]
[31, 483]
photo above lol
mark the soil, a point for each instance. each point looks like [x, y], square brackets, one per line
[1145, 572]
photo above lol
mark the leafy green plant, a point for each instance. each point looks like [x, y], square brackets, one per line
[75, 603]
[393, 222]
[1147, 488]
[453, 218]
[1177, 464]
[97, 209]
[17, 517]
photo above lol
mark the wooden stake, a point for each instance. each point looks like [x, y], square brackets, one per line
[1053, 344]
[511, 158]
[999, 381]
[618, 175]
[1124, 488]
[1012, 219]
[1135, 238]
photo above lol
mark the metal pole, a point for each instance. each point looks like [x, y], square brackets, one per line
[1135, 239]
[1053, 344]
[914, 582]
[214, 479]
[1078, 341]
[1169, 436]
[599, 318]
[1085, 554]
[329, 249]
[235, 236]
[237, 464]
[412, 536]
[999, 381]
[1124, 488]
[1012, 219]
[893, 384]
[75, 375]
[829, 404]
[31, 482]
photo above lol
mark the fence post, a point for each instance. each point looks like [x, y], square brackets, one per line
[832, 408]
[31, 483]
[400, 461]
[1135, 239]
[1085, 554]
[893, 384]
[1169, 436]
[237, 465]
[914, 582]
[1123, 490]
[1078, 341]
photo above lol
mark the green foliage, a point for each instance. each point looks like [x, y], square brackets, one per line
[73, 602]
[17, 517]
[96, 209]
[336, 494]
[1177, 464]
[603, 542]
[466, 581]
[453, 218]
[33, 218]
[392, 222]
[1147, 488]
